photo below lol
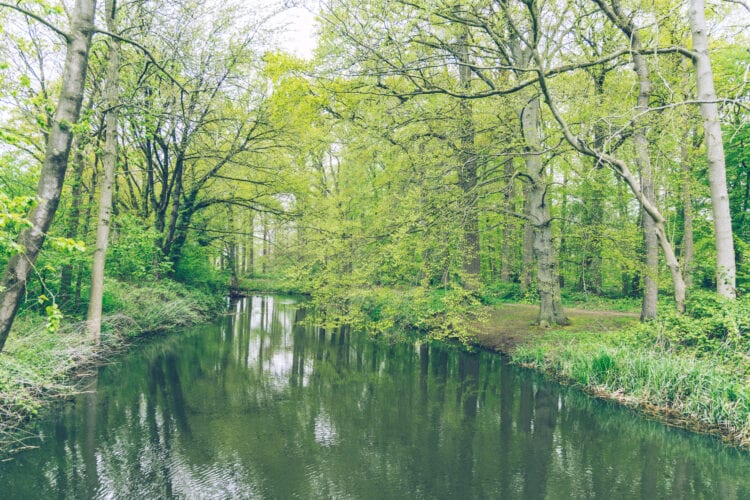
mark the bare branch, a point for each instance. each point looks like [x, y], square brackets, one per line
[147, 53]
[37, 18]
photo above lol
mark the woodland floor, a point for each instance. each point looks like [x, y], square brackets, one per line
[509, 325]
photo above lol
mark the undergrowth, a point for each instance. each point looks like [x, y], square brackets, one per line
[37, 364]
[444, 313]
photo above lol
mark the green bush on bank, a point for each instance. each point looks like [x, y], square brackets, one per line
[443, 313]
[710, 323]
[36, 363]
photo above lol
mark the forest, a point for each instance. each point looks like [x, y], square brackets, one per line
[430, 162]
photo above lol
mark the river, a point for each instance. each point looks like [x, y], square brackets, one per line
[261, 405]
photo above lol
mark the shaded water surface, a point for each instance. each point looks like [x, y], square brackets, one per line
[260, 406]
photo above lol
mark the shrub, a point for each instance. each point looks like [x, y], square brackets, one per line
[710, 321]
[500, 291]
[132, 255]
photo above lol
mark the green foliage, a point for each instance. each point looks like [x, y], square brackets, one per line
[499, 292]
[435, 313]
[590, 301]
[133, 255]
[270, 284]
[13, 213]
[195, 269]
[711, 322]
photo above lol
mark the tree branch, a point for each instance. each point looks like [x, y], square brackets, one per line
[37, 18]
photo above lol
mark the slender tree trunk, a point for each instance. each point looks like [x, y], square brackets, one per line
[74, 221]
[264, 251]
[687, 215]
[251, 248]
[654, 222]
[593, 220]
[234, 283]
[509, 225]
[548, 276]
[467, 174]
[563, 227]
[643, 159]
[55, 164]
[174, 213]
[85, 228]
[527, 257]
[111, 90]
[717, 175]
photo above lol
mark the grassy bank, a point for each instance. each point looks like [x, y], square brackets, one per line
[38, 365]
[691, 371]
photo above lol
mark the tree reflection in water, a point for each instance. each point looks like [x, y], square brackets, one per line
[263, 404]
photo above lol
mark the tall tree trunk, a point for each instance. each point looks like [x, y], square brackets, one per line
[687, 215]
[234, 282]
[548, 276]
[74, 221]
[509, 225]
[251, 248]
[111, 90]
[643, 159]
[265, 248]
[467, 174]
[593, 220]
[85, 227]
[55, 164]
[527, 256]
[717, 175]
[628, 283]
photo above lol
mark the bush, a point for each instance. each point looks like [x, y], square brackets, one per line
[132, 255]
[500, 291]
[710, 321]
[194, 268]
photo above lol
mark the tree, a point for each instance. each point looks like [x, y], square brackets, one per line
[57, 150]
[111, 92]
[726, 271]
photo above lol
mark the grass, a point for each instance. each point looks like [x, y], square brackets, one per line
[700, 391]
[37, 365]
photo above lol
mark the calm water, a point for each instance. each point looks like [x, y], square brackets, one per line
[260, 406]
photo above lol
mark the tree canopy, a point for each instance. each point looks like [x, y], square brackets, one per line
[526, 150]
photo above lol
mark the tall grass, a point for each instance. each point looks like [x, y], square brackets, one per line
[697, 389]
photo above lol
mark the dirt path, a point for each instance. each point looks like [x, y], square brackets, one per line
[508, 325]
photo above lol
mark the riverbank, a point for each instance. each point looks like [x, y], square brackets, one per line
[685, 371]
[39, 365]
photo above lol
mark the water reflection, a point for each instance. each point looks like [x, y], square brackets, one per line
[261, 405]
